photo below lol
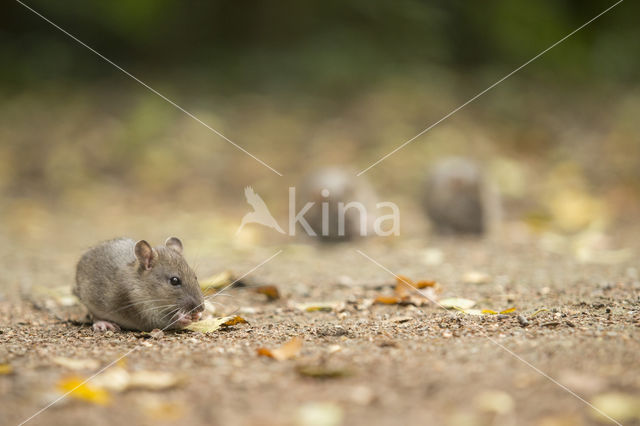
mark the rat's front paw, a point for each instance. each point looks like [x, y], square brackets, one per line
[102, 326]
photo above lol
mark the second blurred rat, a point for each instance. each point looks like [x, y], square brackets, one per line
[459, 199]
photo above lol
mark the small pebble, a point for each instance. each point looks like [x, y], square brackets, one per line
[523, 321]
[156, 333]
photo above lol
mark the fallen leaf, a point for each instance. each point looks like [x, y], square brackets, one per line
[424, 284]
[5, 369]
[475, 277]
[77, 388]
[115, 379]
[321, 372]
[537, 312]
[270, 291]
[76, 364]
[153, 380]
[494, 401]
[492, 312]
[622, 407]
[234, 320]
[320, 414]
[217, 281]
[208, 325]
[316, 306]
[387, 300]
[405, 286]
[289, 350]
[432, 256]
[457, 302]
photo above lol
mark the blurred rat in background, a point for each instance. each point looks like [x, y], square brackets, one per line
[344, 204]
[132, 285]
[459, 199]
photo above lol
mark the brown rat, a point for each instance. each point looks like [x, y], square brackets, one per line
[459, 198]
[131, 285]
[330, 187]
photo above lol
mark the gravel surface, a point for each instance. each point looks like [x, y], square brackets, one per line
[360, 363]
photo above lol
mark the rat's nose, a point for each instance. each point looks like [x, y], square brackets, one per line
[195, 306]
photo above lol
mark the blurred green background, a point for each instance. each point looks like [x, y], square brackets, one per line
[307, 84]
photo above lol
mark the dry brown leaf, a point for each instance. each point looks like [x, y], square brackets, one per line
[405, 288]
[387, 300]
[234, 320]
[289, 350]
[270, 291]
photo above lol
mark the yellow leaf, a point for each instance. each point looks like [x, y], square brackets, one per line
[5, 369]
[289, 350]
[489, 311]
[78, 389]
[620, 406]
[316, 306]
[538, 311]
[217, 281]
[508, 311]
[208, 325]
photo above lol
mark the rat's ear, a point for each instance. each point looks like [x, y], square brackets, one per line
[144, 253]
[174, 243]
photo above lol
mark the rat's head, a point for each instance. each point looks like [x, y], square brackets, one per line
[170, 284]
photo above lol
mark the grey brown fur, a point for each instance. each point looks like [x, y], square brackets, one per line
[459, 199]
[341, 186]
[128, 284]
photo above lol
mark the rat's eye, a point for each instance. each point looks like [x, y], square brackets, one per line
[175, 281]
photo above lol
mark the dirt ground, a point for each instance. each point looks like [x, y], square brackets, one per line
[360, 363]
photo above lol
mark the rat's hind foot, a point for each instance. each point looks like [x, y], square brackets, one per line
[102, 326]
